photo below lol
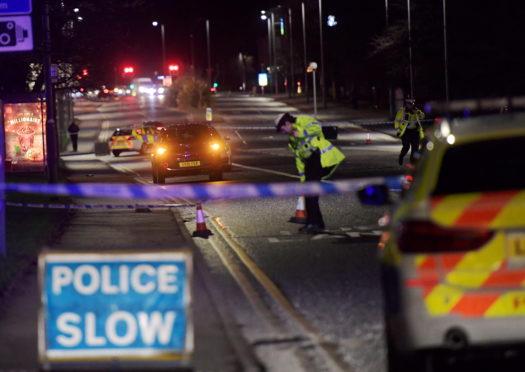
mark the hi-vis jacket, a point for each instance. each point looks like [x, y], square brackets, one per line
[307, 137]
[404, 119]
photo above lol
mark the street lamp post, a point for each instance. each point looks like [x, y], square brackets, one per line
[155, 24]
[311, 68]
[410, 52]
[445, 49]
[323, 88]
[265, 17]
[208, 48]
[304, 53]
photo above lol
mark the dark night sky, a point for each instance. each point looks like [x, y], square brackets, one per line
[485, 40]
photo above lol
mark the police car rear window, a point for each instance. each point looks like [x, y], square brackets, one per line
[122, 132]
[492, 165]
[189, 133]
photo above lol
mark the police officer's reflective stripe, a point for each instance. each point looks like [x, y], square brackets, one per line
[327, 149]
[307, 141]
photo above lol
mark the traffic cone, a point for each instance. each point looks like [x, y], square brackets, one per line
[368, 139]
[300, 212]
[202, 231]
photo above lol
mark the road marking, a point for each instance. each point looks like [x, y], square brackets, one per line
[247, 288]
[242, 139]
[325, 347]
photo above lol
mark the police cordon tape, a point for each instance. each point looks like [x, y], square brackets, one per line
[204, 191]
[96, 206]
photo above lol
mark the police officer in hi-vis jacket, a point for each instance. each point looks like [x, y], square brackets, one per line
[408, 126]
[315, 158]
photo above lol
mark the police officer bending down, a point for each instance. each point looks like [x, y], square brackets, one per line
[315, 158]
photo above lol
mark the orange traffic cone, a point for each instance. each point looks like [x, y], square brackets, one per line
[368, 139]
[202, 231]
[300, 212]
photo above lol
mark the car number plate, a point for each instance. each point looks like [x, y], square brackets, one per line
[516, 245]
[185, 164]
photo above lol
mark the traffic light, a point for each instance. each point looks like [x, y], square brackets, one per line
[85, 72]
[128, 70]
[174, 68]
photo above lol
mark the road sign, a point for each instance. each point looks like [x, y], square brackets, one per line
[8, 7]
[16, 34]
[15, 7]
[115, 305]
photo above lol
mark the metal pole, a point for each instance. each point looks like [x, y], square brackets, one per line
[390, 92]
[410, 52]
[3, 247]
[192, 51]
[163, 69]
[304, 55]
[322, 80]
[315, 93]
[208, 48]
[386, 13]
[51, 131]
[270, 56]
[274, 52]
[445, 50]
[292, 72]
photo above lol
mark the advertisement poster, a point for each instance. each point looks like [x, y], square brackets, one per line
[24, 136]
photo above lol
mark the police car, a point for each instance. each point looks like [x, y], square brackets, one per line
[453, 257]
[139, 139]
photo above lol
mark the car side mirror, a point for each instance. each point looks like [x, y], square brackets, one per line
[374, 195]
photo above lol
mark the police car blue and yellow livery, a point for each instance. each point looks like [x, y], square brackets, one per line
[139, 139]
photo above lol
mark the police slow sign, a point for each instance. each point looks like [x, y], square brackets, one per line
[115, 305]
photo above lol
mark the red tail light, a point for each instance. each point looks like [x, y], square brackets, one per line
[427, 237]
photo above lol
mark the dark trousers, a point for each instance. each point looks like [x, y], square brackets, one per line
[314, 172]
[74, 141]
[410, 139]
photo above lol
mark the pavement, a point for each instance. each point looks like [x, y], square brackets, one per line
[219, 344]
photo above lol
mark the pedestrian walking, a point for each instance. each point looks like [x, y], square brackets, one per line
[316, 159]
[73, 130]
[408, 126]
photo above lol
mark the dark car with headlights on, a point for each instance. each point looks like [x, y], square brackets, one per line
[190, 149]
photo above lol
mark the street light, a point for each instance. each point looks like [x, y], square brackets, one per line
[311, 68]
[155, 24]
[264, 17]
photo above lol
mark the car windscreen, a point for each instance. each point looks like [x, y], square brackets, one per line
[491, 165]
[188, 134]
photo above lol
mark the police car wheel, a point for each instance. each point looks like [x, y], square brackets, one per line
[116, 153]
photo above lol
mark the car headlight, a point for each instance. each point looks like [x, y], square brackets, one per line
[215, 146]
[161, 150]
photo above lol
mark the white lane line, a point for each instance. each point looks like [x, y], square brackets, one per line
[266, 170]
[242, 139]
